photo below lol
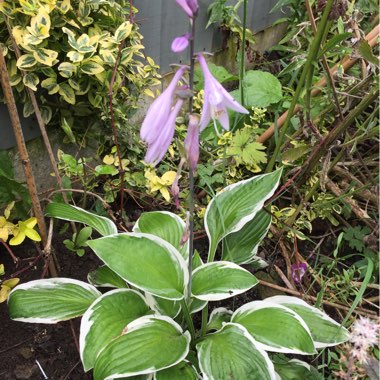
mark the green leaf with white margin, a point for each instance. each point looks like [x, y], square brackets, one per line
[183, 371]
[67, 93]
[163, 306]
[236, 205]
[296, 369]
[106, 319]
[107, 278]
[91, 67]
[231, 353]
[76, 214]
[220, 280]
[275, 327]
[218, 317]
[241, 247]
[324, 330]
[26, 61]
[46, 56]
[166, 225]
[196, 304]
[146, 262]
[50, 300]
[150, 344]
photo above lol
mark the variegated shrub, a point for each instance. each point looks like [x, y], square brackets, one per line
[144, 328]
[68, 52]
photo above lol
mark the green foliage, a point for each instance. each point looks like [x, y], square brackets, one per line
[69, 50]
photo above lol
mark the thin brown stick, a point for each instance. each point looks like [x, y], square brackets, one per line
[283, 277]
[16, 125]
[358, 310]
[11, 254]
[346, 63]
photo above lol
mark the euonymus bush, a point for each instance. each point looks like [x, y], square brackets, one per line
[68, 53]
[145, 327]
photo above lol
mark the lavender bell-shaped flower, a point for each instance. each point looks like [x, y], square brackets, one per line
[157, 129]
[192, 142]
[216, 100]
[189, 6]
[179, 44]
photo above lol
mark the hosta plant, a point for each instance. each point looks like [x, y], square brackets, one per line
[147, 326]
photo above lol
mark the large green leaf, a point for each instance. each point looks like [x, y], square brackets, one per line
[231, 353]
[105, 277]
[218, 317]
[75, 214]
[106, 319]
[166, 225]
[296, 369]
[50, 300]
[275, 327]
[163, 306]
[149, 345]
[183, 371]
[241, 247]
[261, 89]
[324, 330]
[145, 261]
[220, 280]
[232, 208]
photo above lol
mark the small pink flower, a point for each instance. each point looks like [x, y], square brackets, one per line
[179, 44]
[192, 142]
[298, 271]
[216, 100]
[189, 6]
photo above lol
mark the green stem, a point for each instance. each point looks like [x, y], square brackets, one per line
[204, 321]
[314, 48]
[242, 57]
[188, 318]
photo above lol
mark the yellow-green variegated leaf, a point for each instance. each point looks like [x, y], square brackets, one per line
[30, 39]
[51, 85]
[106, 319]
[71, 37]
[83, 45]
[51, 300]
[46, 114]
[150, 344]
[324, 330]
[75, 56]
[107, 56]
[31, 80]
[91, 67]
[275, 327]
[67, 69]
[40, 24]
[67, 93]
[26, 61]
[231, 353]
[64, 6]
[46, 56]
[237, 204]
[123, 31]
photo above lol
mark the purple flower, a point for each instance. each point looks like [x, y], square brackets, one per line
[216, 100]
[157, 129]
[298, 271]
[189, 6]
[179, 44]
[192, 142]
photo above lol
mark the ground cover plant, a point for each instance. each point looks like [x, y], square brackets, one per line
[178, 312]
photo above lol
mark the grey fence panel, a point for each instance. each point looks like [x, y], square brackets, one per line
[162, 20]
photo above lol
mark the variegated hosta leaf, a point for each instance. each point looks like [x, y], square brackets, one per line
[145, 261]
[106, 319]
[231, 353]
[150, 344]
[50, 300]
[163, 306]
[220, 280]
[166, 225]
[236, 205]
[324, 330]
[75, 214]
[218, 317]
[275, 327]
[296, 369]
[183, 371]
[241, 247]
[105, 277]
